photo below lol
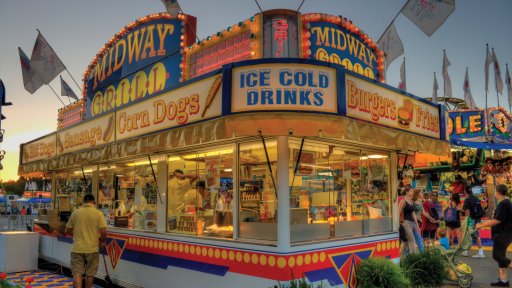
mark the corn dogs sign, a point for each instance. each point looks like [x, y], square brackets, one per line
[191, 103]
[376, 104]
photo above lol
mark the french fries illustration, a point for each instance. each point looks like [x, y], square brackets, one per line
[211, 95]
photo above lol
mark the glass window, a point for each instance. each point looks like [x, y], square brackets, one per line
[337, 191]
[200, 193]
[71, 188]
[257, 190]
[106, 192]
[135, 195]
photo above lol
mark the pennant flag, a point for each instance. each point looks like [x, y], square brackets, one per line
[467, 92]
[45, 61]
[446, 77]
[509, 88]
[428, 15]
[402, 85]
[391, 44]
[488, 61]
[30, 79]
[434, 92]
[65, 90]
[172, 6]
[498, 81]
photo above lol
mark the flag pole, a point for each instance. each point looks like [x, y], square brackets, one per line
[73, 79]
[259, 7]
[56, 95]
[392, 21]
[486, 91]
[300, 6]
[444, 82]
[508, 89]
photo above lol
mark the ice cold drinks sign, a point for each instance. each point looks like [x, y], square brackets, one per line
[284, 87]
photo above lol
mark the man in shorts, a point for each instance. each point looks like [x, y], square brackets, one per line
[85, 224]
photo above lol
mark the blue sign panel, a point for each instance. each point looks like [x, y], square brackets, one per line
[143, 61]
[335, 44]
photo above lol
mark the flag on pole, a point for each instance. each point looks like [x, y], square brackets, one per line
[45, 61]
[65, 90]
[403, 84]
[172, 6]
[434, 92]
[509, 88]
[467, 92]
[30, 79]
[446, 76]
[428, 15]
[488, 61]
[391, 44]
[498, 81]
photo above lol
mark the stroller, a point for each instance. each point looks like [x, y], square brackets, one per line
[458, 271]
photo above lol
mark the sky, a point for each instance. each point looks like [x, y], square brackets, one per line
[78, 29]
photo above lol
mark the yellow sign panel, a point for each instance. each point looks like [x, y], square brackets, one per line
[194, 102]
[43, 148]
[86, 135]
[369, 102]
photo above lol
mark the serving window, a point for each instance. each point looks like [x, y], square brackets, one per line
[257, 190]
[337, 191]
[127, 194]
[71, 189]
[200, 193]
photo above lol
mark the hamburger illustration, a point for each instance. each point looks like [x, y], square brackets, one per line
[405, 114]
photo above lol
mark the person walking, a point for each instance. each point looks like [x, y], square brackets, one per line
[452, 218]
[84, 224]
[429, 221]
[501, 234]
[473, 209]
[409, 222]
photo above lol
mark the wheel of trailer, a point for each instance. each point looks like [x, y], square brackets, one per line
[465, 281]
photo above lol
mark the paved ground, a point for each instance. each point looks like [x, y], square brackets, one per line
[485, 270]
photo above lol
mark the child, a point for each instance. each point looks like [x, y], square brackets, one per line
[442, 239]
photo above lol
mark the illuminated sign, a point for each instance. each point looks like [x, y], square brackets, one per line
[237, 43]
[370, 102]
[472, 123]
[86, 135]
[284, 87]
[280, 34]
[125, 70]
[194, 102]
[43, 148]
[332, 39]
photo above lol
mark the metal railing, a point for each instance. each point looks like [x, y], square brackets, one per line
[16, 222]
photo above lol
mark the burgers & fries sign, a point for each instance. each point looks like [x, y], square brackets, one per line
[376, 104]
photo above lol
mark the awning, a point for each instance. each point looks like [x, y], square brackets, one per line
[39, 200]
[244, 125]
[481, 143]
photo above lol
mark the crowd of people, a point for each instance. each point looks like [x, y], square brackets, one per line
[424, 221]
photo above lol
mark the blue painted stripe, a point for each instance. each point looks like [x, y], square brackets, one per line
[329, 274]
[162, 262]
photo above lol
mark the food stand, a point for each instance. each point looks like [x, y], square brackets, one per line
[266, 152]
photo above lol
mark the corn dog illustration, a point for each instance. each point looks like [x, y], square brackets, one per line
[60, 146]
[211, 95]
[110, 129]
